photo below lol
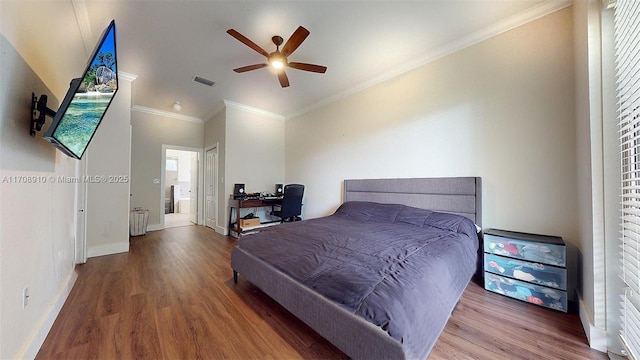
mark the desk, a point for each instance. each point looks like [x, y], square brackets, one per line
[237, 204]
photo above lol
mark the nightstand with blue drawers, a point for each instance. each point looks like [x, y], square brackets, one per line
[527, 267]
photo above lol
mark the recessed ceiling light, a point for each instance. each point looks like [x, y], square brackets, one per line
[203, 81]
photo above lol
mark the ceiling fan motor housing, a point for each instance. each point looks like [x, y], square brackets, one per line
[277, 40]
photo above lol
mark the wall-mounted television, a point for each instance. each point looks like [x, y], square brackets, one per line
[87, 100]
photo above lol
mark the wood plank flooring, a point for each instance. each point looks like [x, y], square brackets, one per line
[172, 297]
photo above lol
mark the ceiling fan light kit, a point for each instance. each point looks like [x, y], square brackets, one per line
[278, 59]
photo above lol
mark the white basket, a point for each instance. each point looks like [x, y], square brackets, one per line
[138, 220]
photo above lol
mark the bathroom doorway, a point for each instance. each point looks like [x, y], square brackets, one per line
[180, 187]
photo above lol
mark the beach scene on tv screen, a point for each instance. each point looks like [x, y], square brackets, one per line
[90, 100]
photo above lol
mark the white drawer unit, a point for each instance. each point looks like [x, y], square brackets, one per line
[527, 267]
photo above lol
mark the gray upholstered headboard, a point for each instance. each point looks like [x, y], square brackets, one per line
[458, 195]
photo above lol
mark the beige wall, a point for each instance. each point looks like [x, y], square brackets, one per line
[37, 227]
[149, 133]
[502, 109]
[108, 156]
[254, 152]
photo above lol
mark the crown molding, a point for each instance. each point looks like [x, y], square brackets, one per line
[216, 109]
[488, 32]
[249, 109]
[84, 25]
[127, 76]
[147, 110]
[82, 19]
[220, 106]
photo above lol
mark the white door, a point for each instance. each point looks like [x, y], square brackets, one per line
[210, 184]
[193, 191]
[81, 205]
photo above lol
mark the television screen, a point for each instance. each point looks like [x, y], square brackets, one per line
[87, 99]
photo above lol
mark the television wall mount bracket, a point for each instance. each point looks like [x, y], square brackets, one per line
[39, 111]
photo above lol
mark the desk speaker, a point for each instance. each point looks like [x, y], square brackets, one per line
[279, 190]
[238, 190]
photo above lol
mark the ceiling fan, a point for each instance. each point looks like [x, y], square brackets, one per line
[278, 58]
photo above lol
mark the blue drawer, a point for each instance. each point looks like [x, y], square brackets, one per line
[539, 295]
[539, 252]
[536, 273]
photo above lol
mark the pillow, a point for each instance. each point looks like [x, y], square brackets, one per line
[413, 216]
[396, 213]
[364, 210]
[355, 209]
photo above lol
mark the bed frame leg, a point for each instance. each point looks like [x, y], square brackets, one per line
[235, 277]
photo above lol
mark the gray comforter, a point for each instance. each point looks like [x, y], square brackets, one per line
[398, 267]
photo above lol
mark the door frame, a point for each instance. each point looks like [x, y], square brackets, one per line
[194, 196]
[213, 147]
[80, 210]
[163, 166]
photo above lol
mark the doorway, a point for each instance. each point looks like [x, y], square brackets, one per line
[179, 187]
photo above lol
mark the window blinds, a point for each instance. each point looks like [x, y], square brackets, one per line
[627, 55]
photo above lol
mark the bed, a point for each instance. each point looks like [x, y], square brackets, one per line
[380, 277]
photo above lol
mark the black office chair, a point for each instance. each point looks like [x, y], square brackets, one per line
[291, 207]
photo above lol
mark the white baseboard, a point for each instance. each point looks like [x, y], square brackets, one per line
[596, 337]
[154, 227]
[31, 347]
[108, 249]
[221, 230]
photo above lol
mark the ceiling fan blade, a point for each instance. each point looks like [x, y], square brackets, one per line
[247, 42]
[284, 80]
[294, 41]
[308, 67]
[250, 67]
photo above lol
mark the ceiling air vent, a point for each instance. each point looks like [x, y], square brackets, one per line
[202, 80]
